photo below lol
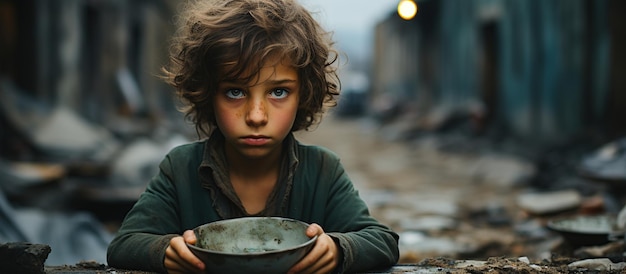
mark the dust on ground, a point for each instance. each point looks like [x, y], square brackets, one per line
[384, 170]
[456, 204]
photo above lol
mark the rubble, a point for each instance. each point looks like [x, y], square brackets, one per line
[442, 205]
[607, 163]
[600, 264]
[23, 257]
[549, 202]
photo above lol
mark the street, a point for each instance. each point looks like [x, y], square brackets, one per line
[442, 204]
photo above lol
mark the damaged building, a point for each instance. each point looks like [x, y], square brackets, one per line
[84, 117]
[541, 71]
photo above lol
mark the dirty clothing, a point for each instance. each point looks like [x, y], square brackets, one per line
[192, 188]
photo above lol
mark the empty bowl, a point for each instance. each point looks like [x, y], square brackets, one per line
[252, 244]
[584, 230]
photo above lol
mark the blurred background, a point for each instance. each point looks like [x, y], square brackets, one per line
[490, 99]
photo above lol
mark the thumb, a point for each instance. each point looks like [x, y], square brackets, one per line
[189, 236]
[314, 229]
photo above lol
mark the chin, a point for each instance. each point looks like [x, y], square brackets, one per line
[256, 153]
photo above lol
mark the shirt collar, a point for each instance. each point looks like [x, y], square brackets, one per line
[215, 178]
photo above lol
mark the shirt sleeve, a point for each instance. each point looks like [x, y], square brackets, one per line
[366, 243]
[145, 233]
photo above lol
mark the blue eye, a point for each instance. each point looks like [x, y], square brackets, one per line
[234, 93]
[279, 93]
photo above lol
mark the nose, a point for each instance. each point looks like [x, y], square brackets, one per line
[256, 113]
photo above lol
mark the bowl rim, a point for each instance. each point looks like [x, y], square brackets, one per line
[194, 247]
[556, 224]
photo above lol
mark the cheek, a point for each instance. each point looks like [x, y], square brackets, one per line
[226, 116]
[288, 117]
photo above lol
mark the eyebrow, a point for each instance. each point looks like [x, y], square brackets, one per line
[281, 81]
[270, 82]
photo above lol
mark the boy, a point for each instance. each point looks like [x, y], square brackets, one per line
[252, 72]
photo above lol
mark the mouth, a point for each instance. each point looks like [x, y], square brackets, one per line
[256, 140]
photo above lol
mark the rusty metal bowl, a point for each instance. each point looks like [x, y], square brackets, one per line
[252, 244]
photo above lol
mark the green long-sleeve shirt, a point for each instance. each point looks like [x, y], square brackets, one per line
[184, 194]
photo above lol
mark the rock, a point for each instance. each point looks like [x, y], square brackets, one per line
[609, 250]
[66, 134]
[503, 170]
[527, 261]
[600, 264]
[493, 213]
[606, 163]
[420, 243]
[428, 223]
[23, 257]
[549, 202]
[592, 205]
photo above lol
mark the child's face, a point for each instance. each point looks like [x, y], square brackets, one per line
[255, 117]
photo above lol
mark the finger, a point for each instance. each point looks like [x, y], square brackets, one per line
[323, 258]
[184, 254]
[174, 264]
[318, 267]
[307, 264]
[321, 265]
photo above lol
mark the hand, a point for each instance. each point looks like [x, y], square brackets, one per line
[324, 256]
[178, 257]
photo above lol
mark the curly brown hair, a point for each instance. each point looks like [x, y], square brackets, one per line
[221, 40]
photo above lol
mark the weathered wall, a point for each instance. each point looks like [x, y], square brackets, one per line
[543, 70]
[100, 58]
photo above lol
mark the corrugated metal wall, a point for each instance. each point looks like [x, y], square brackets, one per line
[547, 48]
[540, 67]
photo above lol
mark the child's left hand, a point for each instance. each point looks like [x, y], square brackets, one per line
[324, 256]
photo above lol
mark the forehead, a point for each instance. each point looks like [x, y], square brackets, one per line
[258, 70]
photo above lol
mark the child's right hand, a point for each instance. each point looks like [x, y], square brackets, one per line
[178, 257]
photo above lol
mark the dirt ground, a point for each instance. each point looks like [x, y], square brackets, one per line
[387, 171]
[452, 205]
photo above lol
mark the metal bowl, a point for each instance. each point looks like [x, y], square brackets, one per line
[252, 244]
[584, 230]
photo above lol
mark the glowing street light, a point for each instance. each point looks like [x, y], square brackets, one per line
[407, 9]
